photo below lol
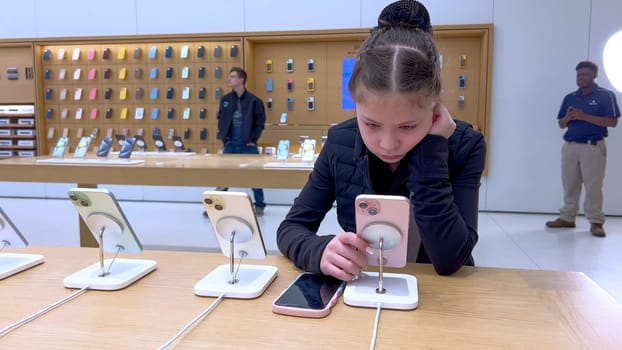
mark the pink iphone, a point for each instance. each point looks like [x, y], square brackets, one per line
[384, 218]
[309, 295]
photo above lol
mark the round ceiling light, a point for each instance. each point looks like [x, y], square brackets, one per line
[612, 60]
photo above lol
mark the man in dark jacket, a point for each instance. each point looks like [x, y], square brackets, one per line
[241, 119]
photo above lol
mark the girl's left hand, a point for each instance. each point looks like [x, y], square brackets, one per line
[443, 124]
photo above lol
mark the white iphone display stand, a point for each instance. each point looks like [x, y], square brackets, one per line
[12, 263]
[237, 232]
[400, 291]
[101, 212]
[383, 222]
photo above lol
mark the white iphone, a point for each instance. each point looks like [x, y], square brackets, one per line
[231, 213]
[100, 211]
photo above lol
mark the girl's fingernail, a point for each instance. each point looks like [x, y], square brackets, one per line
[369, 250]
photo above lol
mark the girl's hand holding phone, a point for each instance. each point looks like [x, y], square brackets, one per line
[345, 256]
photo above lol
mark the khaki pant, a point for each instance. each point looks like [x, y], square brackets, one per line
[583, 163]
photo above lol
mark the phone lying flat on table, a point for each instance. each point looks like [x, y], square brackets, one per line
[386, 217]
[309, 295]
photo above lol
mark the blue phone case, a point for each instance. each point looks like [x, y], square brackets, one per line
[154, 93]
[104, 147]
[127, 147]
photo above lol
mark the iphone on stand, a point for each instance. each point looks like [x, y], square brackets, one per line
[94, 205]
[230, 212]
[386, 217]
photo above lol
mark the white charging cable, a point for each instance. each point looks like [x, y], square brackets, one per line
[22, 322]
[376, 321]
[190, 324]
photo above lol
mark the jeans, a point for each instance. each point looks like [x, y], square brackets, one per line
[243, 149]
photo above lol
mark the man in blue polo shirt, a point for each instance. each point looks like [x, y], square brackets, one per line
[586, 112]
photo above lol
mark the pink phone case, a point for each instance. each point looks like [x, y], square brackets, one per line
[91, 54]
[92, 73]
[387, 217]
[304, 312]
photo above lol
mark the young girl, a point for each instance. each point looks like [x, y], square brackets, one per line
[403, 141]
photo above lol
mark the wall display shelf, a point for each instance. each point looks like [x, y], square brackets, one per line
[170, 85]
[301, 74]
[18, 134]
[139, 87]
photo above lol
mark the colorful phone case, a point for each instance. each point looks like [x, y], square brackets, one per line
[83, 147]
[386, 217]
[104, 147]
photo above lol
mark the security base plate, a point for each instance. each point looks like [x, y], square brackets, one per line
[401, 291]
[252, 281]
[11, 263]
[123, 273]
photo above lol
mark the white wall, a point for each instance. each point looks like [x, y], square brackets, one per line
[531, 72]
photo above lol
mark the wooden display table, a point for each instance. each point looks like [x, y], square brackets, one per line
[228, 170]
[477, 308]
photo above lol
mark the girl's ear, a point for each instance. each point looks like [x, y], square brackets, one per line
[436, 110]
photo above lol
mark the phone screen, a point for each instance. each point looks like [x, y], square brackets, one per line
[310, 291]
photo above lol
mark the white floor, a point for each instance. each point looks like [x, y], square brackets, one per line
[506, 239]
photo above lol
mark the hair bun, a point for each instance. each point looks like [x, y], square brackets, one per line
[410, 14]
